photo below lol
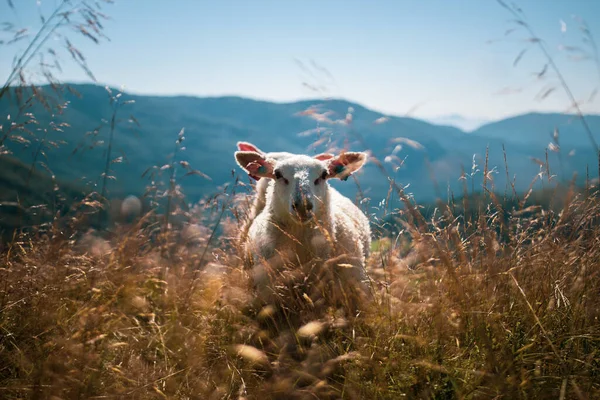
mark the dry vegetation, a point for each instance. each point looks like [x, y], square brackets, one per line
[486, 309]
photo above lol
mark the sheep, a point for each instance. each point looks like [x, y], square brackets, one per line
[303, 216]
[259, 201]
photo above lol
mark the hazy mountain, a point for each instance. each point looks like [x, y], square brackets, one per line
[458, 121]
[431, 153]
[538, 128]
[28, 199]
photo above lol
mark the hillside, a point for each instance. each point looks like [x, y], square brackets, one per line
[214, 125]
[30, 198]
[536, 128]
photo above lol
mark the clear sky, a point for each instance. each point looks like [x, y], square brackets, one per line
[428, 56]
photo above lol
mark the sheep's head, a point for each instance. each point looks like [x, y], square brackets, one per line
[247, 146]
[300, 189]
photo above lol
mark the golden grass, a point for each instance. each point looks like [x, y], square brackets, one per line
[478, 313]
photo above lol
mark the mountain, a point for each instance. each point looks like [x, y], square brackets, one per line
[538, 128]
[458, 121]
[29, 198]
[146, 131]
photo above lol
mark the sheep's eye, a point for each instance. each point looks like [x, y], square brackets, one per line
[321, 178]
[279, 176]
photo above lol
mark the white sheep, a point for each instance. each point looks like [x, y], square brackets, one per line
[303, 215]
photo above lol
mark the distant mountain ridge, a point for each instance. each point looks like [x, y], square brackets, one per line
[458, 121]
[433, 156]
[534, 127]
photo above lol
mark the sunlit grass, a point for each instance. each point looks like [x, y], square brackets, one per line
[473, 316]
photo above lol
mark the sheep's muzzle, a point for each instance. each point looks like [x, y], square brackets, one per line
[303, 209]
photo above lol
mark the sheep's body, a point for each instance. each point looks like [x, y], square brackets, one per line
[352, 225]
[345, 224]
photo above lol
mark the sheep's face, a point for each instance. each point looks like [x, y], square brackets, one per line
[247, 146]
[300, 188]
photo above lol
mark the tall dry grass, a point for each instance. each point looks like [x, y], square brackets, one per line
[468, 315]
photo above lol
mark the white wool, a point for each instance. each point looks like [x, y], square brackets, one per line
[346, 224]
[260, 197]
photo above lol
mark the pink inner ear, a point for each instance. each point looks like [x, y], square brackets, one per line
[253, 167]
[248, 147]
[324, 156]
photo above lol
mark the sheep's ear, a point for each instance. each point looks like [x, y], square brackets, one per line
[324, 156]
[247, 146]
[255, 164]
[345, 164]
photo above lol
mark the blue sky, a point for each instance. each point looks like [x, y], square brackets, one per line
[427, 57]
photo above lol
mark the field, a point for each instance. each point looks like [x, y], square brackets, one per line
[498, 304]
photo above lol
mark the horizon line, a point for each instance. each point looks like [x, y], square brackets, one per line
[127, 90]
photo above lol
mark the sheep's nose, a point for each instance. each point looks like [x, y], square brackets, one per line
[303, 207]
